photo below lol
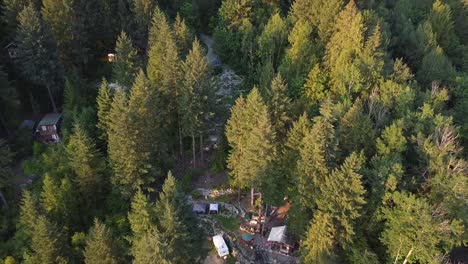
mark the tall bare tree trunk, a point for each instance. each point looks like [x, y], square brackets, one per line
[181, 145]
[252, 197]
[201, 146]
[407, 256]
[51, 97]
[193, 149]
[3, 199]
[238, 195]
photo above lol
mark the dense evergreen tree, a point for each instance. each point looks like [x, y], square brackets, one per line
[39, 65]
[141, 216]
[11, 10]
[87, 165]
[411, 233]
[143, 10]
[68, 30]
[279, 107]
[319, 242]
[126, 64]
[104, 102]
[182, 35]
[124, 169]
[193, 101]
[28, 213]
[9, 104]
[100, 246]
[6, 159]
[46, 243]
[353, 54]
[320, 14]
[251, 136]
[148, 249]
[299, 56]
[179, 232]
[272, 41]
[163, 71]
[355, 130]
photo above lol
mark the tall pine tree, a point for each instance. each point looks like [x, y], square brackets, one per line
[37, 53]
[125, 66]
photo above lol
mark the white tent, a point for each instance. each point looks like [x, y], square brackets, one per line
[277, 234]
[214, 208]
[220, 245]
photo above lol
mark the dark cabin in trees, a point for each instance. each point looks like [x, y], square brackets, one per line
[11, 49]
[48, 129]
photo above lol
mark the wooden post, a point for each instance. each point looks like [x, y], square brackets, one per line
[264, 222]
[51, 99]
[252, 197]
[260, 211]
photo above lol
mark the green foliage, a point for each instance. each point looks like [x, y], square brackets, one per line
[177, 225]
[319, 241]
[6, 159]
[46, 244]
[356, 130]
[87, 165]
[9, 103]
[100, 247]
[67, 28]
[149, 249]
[11, 9]
[182, 35]
[411, 232]
[40, 66]
[141, 215]
[143, 10]
[228, 222]
[251, 136]
[189, 178]
[272, 41]
[316, 88]
[279, 107]
[104, 101]
[299, 56]
[126, 64]
[353, 56]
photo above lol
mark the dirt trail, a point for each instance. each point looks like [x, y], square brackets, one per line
[209, 42]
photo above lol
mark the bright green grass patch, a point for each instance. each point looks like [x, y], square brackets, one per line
[228, 222]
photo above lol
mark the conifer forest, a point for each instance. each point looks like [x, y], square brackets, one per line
[233, 131]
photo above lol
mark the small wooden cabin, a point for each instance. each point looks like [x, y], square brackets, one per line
[48, 129]
[11, 49]
[279, 241]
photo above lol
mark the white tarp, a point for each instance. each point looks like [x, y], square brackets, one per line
[214, 207]
[220, 245]
[277, 234]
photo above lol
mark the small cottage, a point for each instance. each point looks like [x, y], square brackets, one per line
[11, 49]
[48, 129]
[279, 241]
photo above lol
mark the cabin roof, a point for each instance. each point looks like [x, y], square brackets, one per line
[278, 234]
[50, 119]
